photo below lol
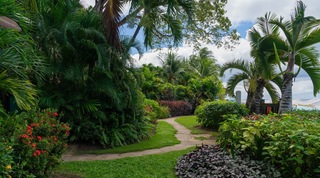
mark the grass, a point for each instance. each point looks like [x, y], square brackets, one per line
[158, 165]
[164, 136]
[190, 122]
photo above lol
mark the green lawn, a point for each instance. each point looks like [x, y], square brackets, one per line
[164, 136]
[191, 123]
[158, 165]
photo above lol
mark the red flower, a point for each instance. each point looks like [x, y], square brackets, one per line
[55, 114]
[36, 153]
[39, 138]
[24, 136]
[33, 145]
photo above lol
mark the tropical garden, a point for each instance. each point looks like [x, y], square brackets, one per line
[67, 77]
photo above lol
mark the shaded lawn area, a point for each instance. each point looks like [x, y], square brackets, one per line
[190, 122]
[158, 165]
[164, 136]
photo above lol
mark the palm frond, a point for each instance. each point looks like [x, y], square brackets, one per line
[234, 80]
[236, 64]
[25, 97]
[111, 17]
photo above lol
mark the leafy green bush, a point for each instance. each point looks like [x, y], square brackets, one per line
[206, 89]
[38, 140]
[5, 157]
[211, 114]
[177, 108]
[289, 142]
[212, 161]
[154, 111]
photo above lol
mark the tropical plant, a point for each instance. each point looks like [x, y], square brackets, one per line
[250, 75]
[264, 60]
[290, 142]
[168, 21]
[89, 80]
[301, 33]
[204, 64]
[20, 61]
[172, 67]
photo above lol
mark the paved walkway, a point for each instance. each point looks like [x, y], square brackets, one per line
[183, 134]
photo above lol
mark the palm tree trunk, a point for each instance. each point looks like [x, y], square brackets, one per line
[286, 91]
[258, 96]
[286, 100]
[250, 99]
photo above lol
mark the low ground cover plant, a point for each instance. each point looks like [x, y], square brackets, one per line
[212, 161]
[290, 142]
[33, 142]
[211, 114]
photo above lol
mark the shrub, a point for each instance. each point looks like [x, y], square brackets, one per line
[177, 108]
[154, 111]
[211, 114]
[212, 161]
[38, 141]
[5, 157]
[290, 143]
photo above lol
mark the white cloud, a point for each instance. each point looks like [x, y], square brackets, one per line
[248, 10]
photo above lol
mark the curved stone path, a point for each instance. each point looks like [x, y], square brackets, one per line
[183, 134]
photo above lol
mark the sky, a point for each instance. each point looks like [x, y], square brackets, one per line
[243, 14]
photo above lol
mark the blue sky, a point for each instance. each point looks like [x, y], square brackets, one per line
[243, 14]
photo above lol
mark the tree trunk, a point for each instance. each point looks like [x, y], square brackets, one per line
[286, 92]
[249, 102]
[258, 95]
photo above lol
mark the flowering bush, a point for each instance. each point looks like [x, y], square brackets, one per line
[40, 140]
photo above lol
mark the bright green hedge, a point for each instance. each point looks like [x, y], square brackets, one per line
[154, 111]
[290, 142]
[211, 114]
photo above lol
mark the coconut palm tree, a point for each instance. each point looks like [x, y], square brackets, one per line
[297, 48]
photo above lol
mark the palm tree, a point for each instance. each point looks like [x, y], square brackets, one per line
[172, 67]
[204, 64]
[158, 19]
[301, 34]
[263, 58]
[250, 75]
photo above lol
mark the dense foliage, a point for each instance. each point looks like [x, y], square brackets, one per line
[211, 114]
[212, 161]
[154, 111]
[32, 143]
[290, 142]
